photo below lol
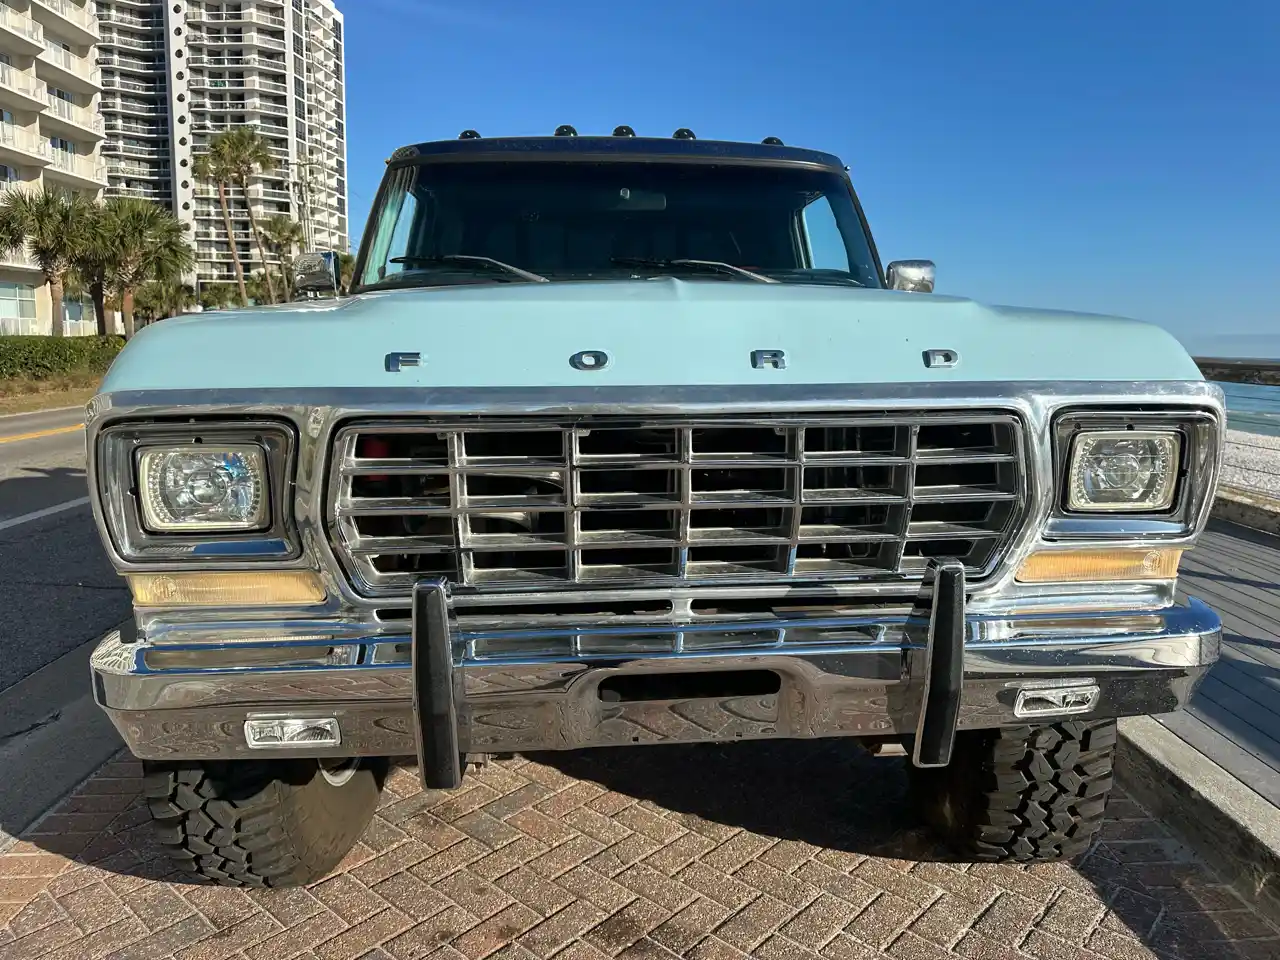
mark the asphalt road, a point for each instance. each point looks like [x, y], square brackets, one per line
[58, 594]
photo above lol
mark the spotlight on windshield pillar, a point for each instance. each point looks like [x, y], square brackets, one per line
[623, 131]
[564, 130]
[468, 135]
[772, 142]
[684, 133]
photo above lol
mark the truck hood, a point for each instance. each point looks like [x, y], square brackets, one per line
[655, 333]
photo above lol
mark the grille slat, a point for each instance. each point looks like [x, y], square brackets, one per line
[493, 504]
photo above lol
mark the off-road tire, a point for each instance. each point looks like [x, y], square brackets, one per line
[259, 823]
[1025, 794]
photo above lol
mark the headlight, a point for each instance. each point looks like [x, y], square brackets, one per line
[206, 488]
[1123, 471]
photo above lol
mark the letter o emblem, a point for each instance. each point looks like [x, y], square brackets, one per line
[589, 360]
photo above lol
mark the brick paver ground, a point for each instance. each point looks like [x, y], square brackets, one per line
[782, 850]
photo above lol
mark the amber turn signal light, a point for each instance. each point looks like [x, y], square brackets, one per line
[1074, 566]
[236, 589]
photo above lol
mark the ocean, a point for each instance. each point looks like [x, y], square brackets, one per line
[1253, 407]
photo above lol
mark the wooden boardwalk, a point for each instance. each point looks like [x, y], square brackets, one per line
[1234, 718]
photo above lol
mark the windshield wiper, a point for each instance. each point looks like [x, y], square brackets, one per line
[703, 266]
[464, 258]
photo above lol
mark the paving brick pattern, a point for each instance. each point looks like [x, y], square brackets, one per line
[764, 850]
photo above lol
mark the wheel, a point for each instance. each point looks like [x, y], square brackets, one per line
[1025, 794]
[262, 823]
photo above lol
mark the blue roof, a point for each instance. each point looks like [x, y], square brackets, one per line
[616, 147]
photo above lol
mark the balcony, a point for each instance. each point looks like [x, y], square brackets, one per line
[19, 33]
[129, 63]
[117, 169]
[116, 105]
[116, 127]
[133, 150]
[258, 38]
[221, 62]
[23, 144]
[76, 23]
[67, 70]
[62, 115]
[129, 42]
[256, 105]
[251, 83]
[20, 89]
[134, 86]
[246, 16]
[79, 171]
[121, 18]
[144, 193]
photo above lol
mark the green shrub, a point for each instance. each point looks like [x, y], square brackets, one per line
[38, 358]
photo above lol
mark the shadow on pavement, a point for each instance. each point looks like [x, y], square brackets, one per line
[829, 794]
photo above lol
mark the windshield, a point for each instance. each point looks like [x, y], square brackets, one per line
[520, 222]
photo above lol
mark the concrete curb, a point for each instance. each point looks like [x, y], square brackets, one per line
[1247, 508]
[1233, 829]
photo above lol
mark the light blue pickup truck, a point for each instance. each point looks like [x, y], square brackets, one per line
[620, 441]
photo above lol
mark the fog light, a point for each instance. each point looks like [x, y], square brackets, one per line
[1056, 701]
[1072, 566]
[285, 734]
[260, 588]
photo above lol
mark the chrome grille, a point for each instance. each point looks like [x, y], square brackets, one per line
[494, 504]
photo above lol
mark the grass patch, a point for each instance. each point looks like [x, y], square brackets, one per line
[25, 395]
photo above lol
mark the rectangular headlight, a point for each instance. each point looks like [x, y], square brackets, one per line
[1123, 471]
[204, 487]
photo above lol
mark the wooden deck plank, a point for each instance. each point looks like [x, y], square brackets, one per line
[1261, 778]
[1222, 700]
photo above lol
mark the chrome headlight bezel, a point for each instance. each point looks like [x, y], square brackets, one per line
[119, 451]
[1198, 438]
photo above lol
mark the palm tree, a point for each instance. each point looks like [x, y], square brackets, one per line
[93, 263]
[283, 236]
[148, 243]
[216, 296]
[346, 271]
[54, 226]
[247, 154]
[158, 299]
[215, 167]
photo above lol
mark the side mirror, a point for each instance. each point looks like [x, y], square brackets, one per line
[315, 274]
[913, 276]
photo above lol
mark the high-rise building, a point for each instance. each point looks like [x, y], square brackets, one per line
[180, 71]
[50, 130]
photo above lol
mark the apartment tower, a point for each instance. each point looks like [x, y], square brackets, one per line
[177, 73]
[50, 134]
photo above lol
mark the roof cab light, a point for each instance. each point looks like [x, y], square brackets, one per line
[684, 133]
[564, 130]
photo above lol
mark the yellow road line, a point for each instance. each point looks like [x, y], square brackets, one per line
[53, 432]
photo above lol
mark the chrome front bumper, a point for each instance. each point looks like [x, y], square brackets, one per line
[852, 676]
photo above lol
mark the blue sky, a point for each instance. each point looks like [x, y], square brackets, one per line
[1110, 157]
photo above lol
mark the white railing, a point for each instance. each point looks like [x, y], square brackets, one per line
[74, 114]
[133, 150]
[127, 40]
[123, 106]
[264, 106]
[20, 23]
[14, 79]
[267, 41]
[79, 166]
[115, 126]
[18, 138]
[245, 16]
[71, 63]
[134, 86]
[131, 191]
[80, 16]
[129, 20]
